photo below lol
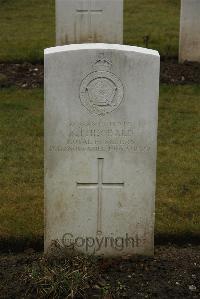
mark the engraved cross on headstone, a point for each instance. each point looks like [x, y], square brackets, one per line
[100, 185]
[89, 13]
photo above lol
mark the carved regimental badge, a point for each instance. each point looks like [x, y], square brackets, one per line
[101, 91]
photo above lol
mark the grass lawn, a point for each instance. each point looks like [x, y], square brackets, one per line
[178, 171]
[27, 27]
[21, 162]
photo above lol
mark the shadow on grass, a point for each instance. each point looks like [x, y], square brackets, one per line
[16, 245]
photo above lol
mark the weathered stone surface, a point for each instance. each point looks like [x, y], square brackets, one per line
[89, 21]
[100, 147]
[189, 48]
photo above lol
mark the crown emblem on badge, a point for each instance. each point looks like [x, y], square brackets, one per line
[101, 91]
[102, 64]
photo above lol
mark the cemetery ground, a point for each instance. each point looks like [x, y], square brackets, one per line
[174, 270]
[24, 272]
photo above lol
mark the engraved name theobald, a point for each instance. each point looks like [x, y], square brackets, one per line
[104, 136]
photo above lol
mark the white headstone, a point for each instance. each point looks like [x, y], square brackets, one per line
[189, 48]
[85, 21]
[100, 147]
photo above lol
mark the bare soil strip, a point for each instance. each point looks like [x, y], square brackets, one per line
[172, 273]
[28, 75]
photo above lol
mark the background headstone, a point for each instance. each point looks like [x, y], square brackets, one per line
[89, 21]
[189, 48]
[100, 147]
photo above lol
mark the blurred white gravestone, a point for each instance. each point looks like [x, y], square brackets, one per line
[189, 47]
[100, 148]
[89, 21]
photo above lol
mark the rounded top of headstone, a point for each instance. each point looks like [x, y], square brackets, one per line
[100, 46]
